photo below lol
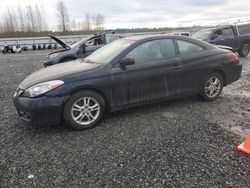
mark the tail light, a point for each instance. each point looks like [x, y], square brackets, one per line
[232, 56]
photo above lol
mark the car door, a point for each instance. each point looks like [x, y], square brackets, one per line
[193, 69]
[154, 75]
[223, 37]
[217, 37]
[228, 37]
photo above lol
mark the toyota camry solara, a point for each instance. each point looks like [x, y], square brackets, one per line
[125, 73]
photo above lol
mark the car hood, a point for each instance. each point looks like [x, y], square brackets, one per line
[226, 48]
[64, 45]
[57, 72]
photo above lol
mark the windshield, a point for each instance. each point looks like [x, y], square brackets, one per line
[80, 42]
[203, 34]
[105, 54]
[77, 43]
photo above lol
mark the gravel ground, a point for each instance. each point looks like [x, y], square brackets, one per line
[179, 143]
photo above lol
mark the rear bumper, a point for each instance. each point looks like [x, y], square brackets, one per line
[233, 73]
[40, 110]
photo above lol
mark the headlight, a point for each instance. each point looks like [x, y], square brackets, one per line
[42, 88]
[53, 55]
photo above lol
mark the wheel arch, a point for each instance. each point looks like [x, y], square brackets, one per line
[222, 73]
[91, 88]
[245, 42]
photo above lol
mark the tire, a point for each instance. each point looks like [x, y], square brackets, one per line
[215, 87]
[79, 117]
[244, 50]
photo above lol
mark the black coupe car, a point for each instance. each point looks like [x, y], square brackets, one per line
[128, 72]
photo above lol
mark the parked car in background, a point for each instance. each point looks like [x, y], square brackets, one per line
[235, 36]
[12, 49]
[78, 49]
[187, 34]
[125, 73]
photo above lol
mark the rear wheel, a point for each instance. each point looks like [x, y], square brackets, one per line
[84, 110]
[212, 87]
[244, 50]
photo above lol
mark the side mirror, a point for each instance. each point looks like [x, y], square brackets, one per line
[127, 61]
[215, 36]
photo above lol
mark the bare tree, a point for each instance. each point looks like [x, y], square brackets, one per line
[38, 18]
[99, 22]
[15, 20]
[9, 21]
[87, 23]
[63, 16]
[73, 25]
[30, 16]
[94, 23]
[43, 17]
[21, 20]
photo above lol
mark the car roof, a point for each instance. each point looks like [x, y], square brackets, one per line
[218, 27]
[156, 36]
[164, 36]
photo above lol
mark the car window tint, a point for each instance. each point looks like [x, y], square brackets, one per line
[153, 51]
[243, 29]
[188, 47]
[218, 32]
[227, 32]
[94, 42]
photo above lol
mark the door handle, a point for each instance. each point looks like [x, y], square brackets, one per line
[176, 67]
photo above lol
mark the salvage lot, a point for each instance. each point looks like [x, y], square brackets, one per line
[181, 143]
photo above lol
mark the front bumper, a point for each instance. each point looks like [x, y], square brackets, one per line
[48, 62]
[233, 73]
[40, 110]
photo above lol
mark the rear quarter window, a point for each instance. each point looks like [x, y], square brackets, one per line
[244, 29]
[186, 47]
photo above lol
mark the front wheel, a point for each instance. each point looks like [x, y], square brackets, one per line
[212, 87]
[84, 110]
[244, 50]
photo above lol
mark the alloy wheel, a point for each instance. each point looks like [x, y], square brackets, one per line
[213, 87]
[85, 110]
[245, 49]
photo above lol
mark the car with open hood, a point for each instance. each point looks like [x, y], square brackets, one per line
[78, 49]
[127, 72]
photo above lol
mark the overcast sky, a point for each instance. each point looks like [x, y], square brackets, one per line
[145, 13]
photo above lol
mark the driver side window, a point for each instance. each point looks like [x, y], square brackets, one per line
[153, 51]
[218, 34]
[94, 42]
